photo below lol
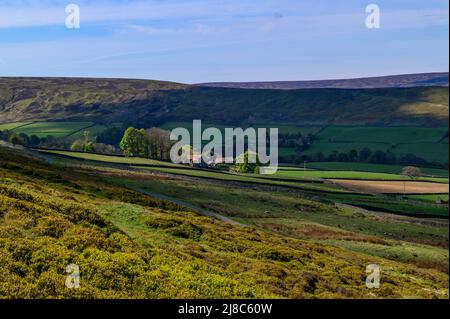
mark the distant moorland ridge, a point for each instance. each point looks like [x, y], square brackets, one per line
[392, 81]
[147, 102]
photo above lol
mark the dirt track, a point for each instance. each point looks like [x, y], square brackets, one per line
[393, 187]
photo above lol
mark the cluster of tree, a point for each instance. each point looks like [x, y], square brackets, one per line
[83, 145]
[365, 155]
[297, 141]
[412, 172]
[245, 166]
[112, 136]
[151, 143]
[20, 138]
[86, 144]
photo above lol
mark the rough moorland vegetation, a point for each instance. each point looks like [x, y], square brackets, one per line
[131, 246]
[149, 103]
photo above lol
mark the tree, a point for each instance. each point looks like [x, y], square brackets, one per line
[134, 142]
[364, 154]
[245, 167]
[352, 155]
[378, 157]
[319, 157]
[112, 135]
[158, 143]
[77, 146]
[412, 172]
[102, 148]
[89, 147]
[34, 141]
[15, 139]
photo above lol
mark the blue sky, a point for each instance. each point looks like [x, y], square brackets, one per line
[195, 41]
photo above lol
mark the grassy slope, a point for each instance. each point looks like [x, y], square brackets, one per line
[145, 102]
[292, 214]
[128, 245]
[72, 98]
[382, 106]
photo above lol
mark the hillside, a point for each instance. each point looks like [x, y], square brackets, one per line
[149, 103]
[129, 245]
[62, 98]
[394, 81]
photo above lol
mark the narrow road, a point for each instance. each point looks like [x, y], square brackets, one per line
[197, 209]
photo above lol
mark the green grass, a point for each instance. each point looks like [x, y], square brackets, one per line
[257, 179]
[391, 205]
[375, 168]
[420, 141]
[286, 152]
[56, 129]
[432, 152]
[421, 255]
[344, 147]
[385, 135]
[293, 215]
[110, 158]
[302, 174]
[429, 198]
[12, 126]
[170, 168]
[282, 129]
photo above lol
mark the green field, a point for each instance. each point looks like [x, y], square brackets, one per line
[302, 174]
[282, 129]
[170, 168]
[289, 173]
[375, 168]
[385, 135]
[56, 129]
[429, 198]
[427, 143]
[12, 126]
[391, 204]
[432, 152]
[111, 159]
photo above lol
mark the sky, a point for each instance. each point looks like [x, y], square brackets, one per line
[196, 41]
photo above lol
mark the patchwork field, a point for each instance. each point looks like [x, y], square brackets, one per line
[312, 186]
[428, 143]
